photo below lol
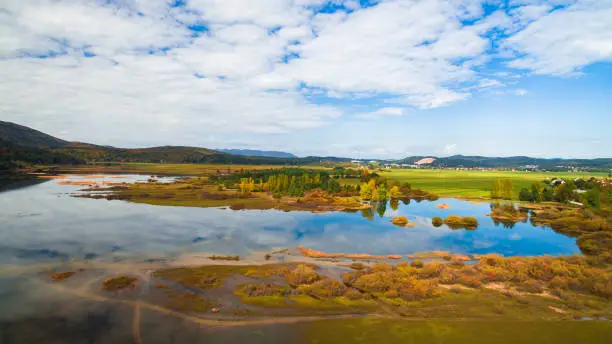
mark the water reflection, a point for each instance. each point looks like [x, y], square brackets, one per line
[43, 223]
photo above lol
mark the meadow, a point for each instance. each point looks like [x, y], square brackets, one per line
[445, 183]
[473, 184]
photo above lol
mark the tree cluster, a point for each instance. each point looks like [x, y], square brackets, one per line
[564, 192]
[290, 181]
[502, 189]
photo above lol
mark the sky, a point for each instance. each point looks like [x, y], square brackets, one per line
[363, 79]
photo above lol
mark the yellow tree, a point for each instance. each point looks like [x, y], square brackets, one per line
[395, 192]
[366, 192]
[246, 186]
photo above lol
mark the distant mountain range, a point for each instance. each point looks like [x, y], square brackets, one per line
[254, 152]
[21, 145]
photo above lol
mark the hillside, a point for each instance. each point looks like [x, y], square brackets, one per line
[13, 156]
[28, 137]
[22, 145]
[254, 152]
[49, 149]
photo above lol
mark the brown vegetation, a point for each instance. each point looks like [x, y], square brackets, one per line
[458, 222]
[119, 283]
[307, 252]
[215, 257]
[60, 276]
[402, 221]
[507, 213]
[302, 274]
[437, 221]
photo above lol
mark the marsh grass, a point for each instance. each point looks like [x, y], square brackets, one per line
[60, 276]
[119, 283]
[458, 222]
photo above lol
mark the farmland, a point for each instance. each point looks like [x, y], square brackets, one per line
[472, 184]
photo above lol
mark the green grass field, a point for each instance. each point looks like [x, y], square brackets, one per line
[471, 184]
[466, 184]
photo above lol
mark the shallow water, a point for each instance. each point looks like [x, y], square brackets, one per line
[43, 223]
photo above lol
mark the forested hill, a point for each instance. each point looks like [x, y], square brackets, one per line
[509, 162]
[13, 156]
[22, 145]
[28, 137]
[254, 152]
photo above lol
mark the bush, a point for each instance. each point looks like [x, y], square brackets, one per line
[447, 277]
[431, 270]
[531, 286]
[374, 282]
[350, 278]
[469, 281]
[400, 221]
[392, 294]
[302, 274]
[262, 289]
[357, 266]
[381, 267]
[418, 289]
[417, 264]
[456, 262]
[353, 294]
[457, 222]
[454, 222]
[595, 243]
[327, 288]
[437, 221]
[470, 222]
[525, 195]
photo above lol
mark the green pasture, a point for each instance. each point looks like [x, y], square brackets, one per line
[471, 184]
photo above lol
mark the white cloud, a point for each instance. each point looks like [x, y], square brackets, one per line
[59, 25]
[384, 112]
[262, 66]
[110, 103]
[565, 40]
[408, 49]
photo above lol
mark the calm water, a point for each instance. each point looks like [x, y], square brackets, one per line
[42, 222]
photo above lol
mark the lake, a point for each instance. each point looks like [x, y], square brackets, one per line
[43, 222]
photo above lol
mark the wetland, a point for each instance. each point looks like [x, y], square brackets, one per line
[87, 256]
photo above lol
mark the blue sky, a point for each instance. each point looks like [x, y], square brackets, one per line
[383, 79]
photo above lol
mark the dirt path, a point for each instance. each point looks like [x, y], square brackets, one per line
[136, 324]
[214, 324]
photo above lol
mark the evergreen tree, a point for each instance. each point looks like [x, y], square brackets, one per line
[525, 195]
[536, 192]
[382, 193]
[548, 195]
